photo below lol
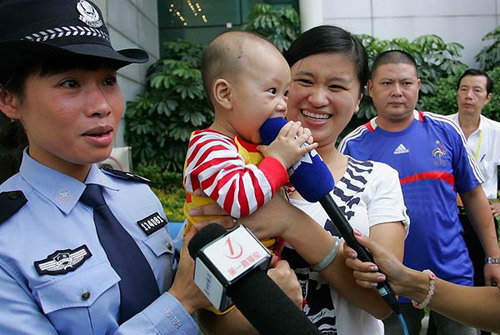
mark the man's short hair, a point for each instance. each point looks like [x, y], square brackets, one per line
[477, 72]
[393, 57]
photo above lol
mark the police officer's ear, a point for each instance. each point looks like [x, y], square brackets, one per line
[222, 91]
[9, 104]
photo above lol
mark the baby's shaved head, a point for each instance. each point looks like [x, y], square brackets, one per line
[227, 54]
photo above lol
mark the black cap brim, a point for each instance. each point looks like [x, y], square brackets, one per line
[22, 52]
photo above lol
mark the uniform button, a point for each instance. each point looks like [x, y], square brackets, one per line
[14, 195]
[85, 295]
[169, 246]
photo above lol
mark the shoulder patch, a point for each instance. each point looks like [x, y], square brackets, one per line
[126, 175]
[11, 202]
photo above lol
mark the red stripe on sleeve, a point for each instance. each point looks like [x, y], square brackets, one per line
[259, 194]
[243, 200]
[228, 201]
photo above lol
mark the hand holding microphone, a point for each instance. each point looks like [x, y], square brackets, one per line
[314, 181]
[230, 269]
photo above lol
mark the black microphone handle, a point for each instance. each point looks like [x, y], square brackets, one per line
[267, 308]
[347, 233]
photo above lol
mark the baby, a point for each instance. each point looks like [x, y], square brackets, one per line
[247, 80]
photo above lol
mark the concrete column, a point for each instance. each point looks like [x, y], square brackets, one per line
[311, 13]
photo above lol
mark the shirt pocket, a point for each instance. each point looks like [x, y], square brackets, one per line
[161, 247]
[488, 168]
[80, 289]
[160, 242]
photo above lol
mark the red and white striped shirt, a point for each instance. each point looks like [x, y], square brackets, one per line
[214, 165]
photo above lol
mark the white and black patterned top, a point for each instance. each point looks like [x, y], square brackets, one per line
[368, 194]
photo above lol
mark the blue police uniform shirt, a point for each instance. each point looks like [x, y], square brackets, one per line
[433, 164]
[55, 277]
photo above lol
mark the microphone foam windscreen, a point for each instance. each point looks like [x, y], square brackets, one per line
[310, 175]
[205, 236]
[270, 129]
[267, 308]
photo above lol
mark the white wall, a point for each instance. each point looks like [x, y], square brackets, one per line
[132, 24]
[462, 21]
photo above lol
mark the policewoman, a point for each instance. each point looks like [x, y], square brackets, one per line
[82, 251]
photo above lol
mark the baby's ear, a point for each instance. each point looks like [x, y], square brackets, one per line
[222, 93]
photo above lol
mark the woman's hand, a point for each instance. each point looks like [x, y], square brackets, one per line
[269, 221]
[285, 278]
[367, 274]
[212, 209]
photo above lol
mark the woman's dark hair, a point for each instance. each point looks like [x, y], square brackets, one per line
[330, 39]
[12, 142]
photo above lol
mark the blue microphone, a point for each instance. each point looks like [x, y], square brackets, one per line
[313, 180]
[310, 175]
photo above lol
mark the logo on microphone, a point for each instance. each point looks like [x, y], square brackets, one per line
[306, 159]
[234, 250]
[242, 251]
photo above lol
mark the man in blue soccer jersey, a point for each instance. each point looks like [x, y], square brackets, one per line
[430, 155]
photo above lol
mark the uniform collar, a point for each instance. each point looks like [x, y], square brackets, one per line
[60, 189]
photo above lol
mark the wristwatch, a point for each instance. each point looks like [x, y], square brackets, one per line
[492, 260]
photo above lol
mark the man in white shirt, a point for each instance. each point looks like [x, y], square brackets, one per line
[483, 139]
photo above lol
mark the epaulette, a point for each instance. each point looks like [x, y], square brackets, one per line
[126, 175]
[11, 202]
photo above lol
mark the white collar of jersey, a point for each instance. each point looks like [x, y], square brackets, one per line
[60, 189]
[373, 123]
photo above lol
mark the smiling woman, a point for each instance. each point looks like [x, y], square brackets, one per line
[329, 69]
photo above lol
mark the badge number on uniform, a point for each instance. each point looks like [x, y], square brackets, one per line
[152, 223]
[63, 261]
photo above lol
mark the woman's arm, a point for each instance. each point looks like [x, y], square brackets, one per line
[279, 218]
[478, 307]
[312, 242]
[392, 236]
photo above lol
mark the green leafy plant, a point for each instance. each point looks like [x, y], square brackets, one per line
[168, 188]
[281, 26]
[160, 121]
[489, 56]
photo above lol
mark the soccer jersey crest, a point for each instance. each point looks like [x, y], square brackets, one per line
[439, 153]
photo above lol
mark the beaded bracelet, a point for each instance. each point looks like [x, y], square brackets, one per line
[430, 293]
[328, 258]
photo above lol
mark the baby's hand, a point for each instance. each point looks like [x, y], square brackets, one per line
[292, 142]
